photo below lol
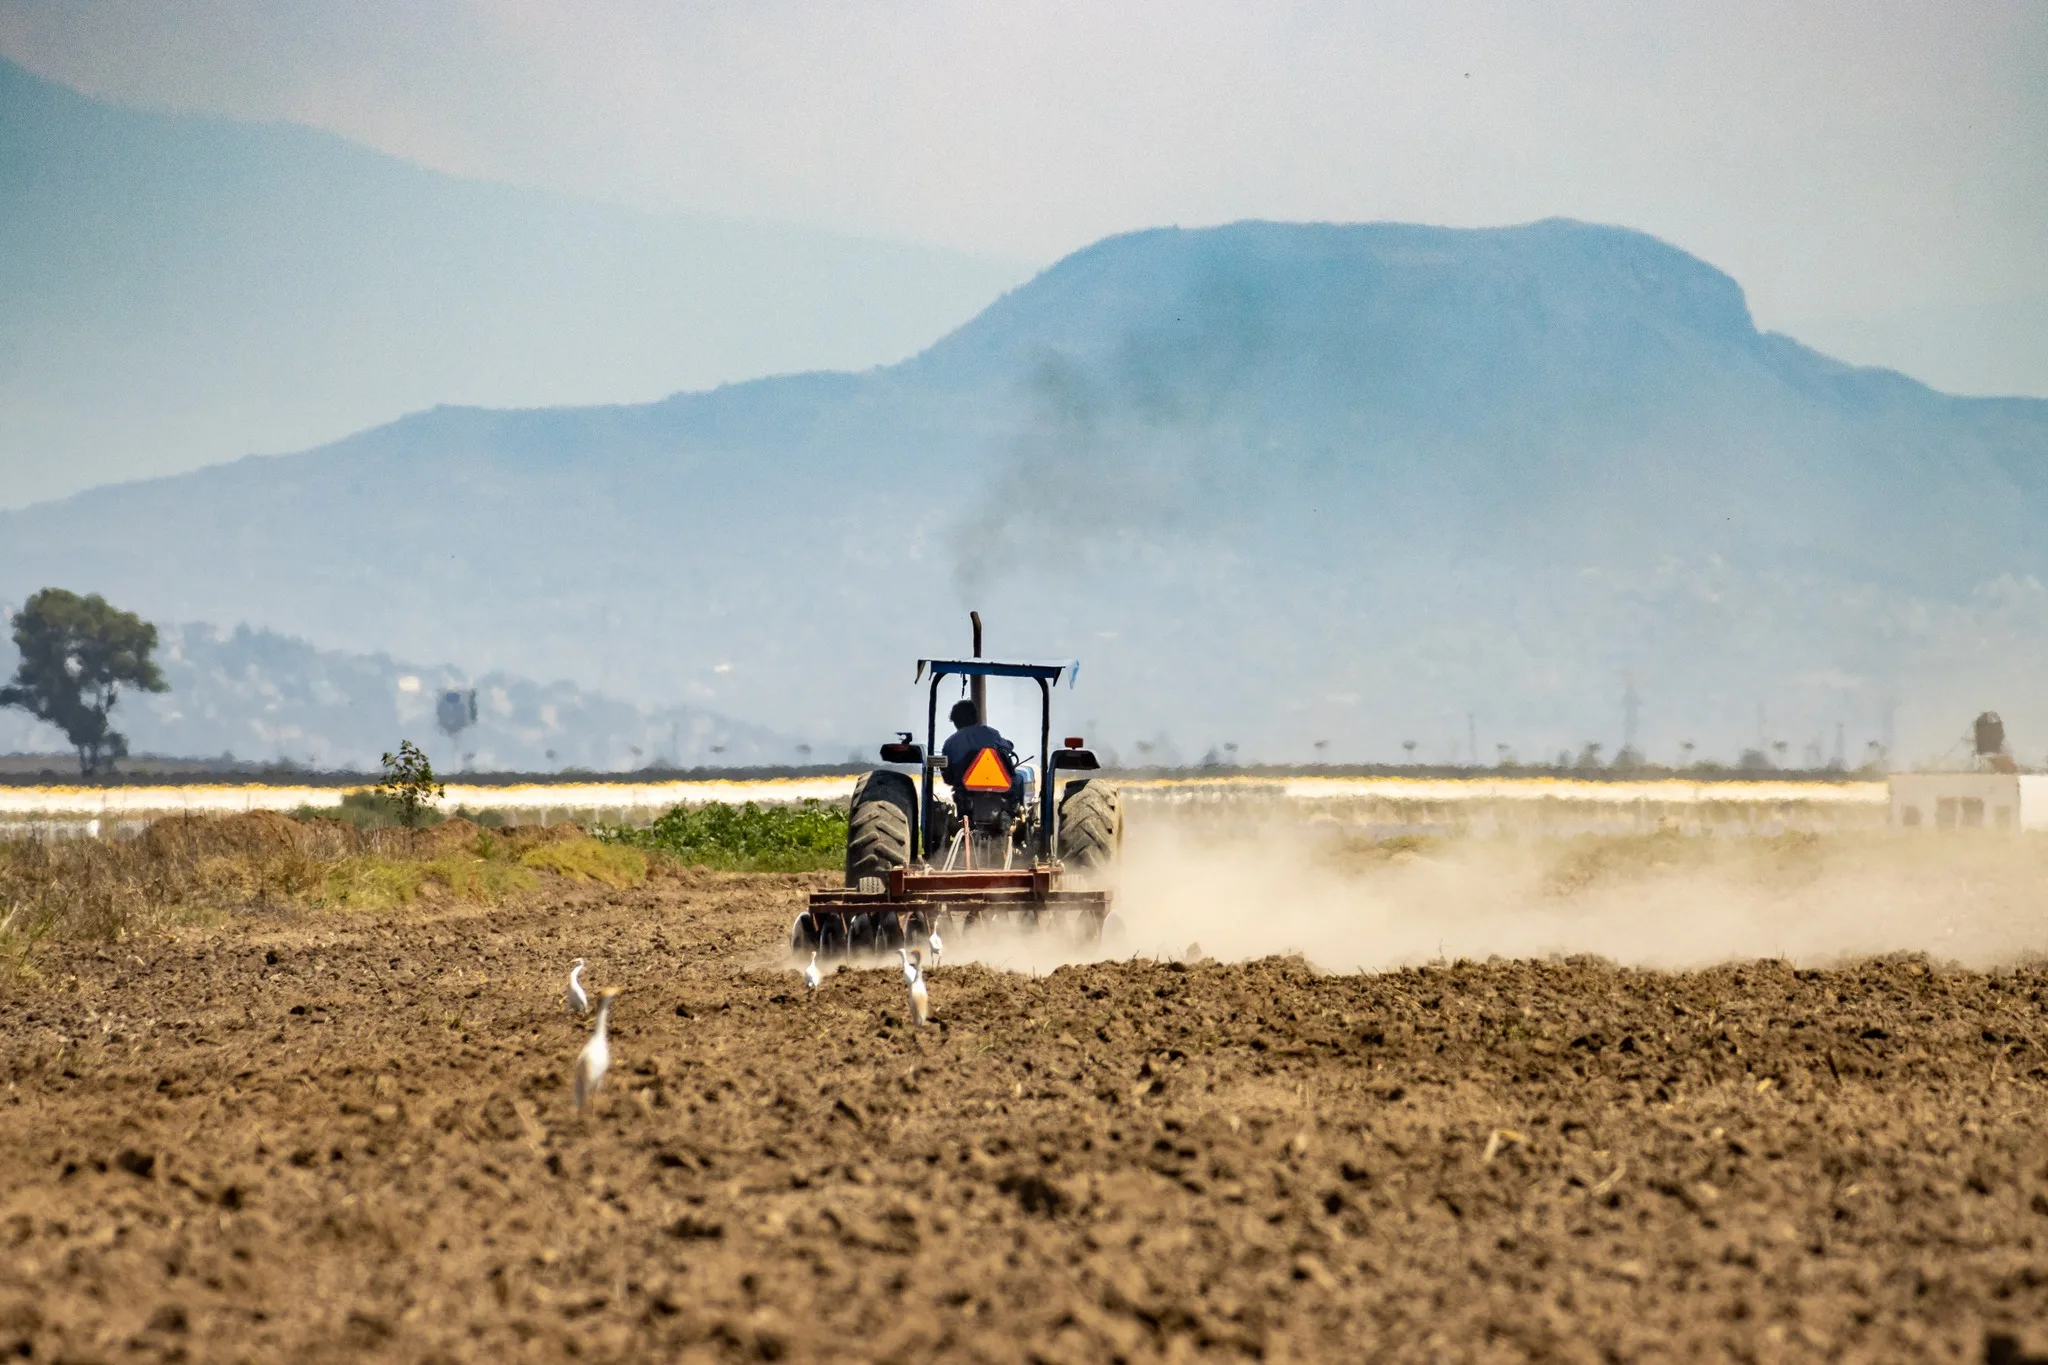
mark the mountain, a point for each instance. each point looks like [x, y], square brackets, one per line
[1275, 483]
[180, 289]
[263, 697]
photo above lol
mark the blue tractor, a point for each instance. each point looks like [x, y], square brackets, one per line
[1000, 847]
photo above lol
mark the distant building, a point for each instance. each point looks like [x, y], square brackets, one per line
[1940, 801]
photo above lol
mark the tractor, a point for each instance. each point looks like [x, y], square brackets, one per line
[999, 852]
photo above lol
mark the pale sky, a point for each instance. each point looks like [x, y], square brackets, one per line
[1867, 163]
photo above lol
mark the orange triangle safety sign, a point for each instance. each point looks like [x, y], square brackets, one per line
[987, 773]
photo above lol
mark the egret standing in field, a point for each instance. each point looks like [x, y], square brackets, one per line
[920, 999]
[937, 946]
[578, 1002]
[811, 974]
[596, 1057]
[911, 971]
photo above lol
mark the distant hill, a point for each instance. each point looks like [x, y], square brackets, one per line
[260, 697]
[181, 290]
[1274, 483]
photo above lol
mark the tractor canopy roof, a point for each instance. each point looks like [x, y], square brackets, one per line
[997, 668]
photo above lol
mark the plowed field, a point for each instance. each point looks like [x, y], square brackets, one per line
[351, 1138]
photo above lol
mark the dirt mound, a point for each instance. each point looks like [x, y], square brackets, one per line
[353, 1140]
[258, 832]
[520, 838]
[453, 836]
[450, 836]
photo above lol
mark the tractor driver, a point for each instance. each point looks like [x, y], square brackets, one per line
[968, 739]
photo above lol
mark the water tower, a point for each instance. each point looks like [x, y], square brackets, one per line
[1988, 735]
[455, 712]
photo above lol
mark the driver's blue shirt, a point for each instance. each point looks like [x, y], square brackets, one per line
[962, 745]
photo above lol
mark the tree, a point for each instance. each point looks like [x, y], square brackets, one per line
[77, 653]
[409, 783]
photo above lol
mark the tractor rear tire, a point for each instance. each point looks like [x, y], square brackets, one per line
[1091, 826]
[879, 825]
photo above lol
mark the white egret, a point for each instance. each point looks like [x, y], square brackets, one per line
[920, 1000]
[596, 1057]
[937, 946]
[910, 969]
[578, 1002]
[811, 974]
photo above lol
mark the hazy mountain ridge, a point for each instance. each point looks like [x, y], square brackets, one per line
[1275, 482]
[259, 696]
[210, 287]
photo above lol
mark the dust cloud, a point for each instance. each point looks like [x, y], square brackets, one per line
[1671, 902]
[1660, 901]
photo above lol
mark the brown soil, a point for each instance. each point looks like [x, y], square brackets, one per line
[351, 1138]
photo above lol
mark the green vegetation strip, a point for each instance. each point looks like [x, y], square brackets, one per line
[804, 836]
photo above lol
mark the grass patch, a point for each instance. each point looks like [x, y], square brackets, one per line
[17, 947]
[480, 881]
[805, 836]
[375, 882]
[616, 865]
[371, 882]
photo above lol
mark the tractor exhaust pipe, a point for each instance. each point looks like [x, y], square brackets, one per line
[977, 688]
